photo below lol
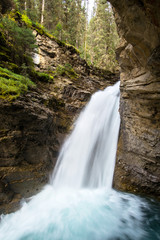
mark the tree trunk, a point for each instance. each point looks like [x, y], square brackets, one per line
[86, 29]
[25, 5]
[42, 13]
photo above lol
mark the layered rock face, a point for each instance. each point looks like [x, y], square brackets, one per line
[138, 160]
[33, 127]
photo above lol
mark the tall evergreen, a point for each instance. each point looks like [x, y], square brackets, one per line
[102, 37]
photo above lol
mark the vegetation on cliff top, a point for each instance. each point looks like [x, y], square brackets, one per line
[18, 41]
[67, 23]
[17, 45]
[16, 63]
[40, 29]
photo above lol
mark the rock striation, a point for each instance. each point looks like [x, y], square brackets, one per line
[33, 127]
[138, 159]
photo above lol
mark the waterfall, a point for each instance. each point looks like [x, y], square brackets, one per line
[79, 203]
[87, 158]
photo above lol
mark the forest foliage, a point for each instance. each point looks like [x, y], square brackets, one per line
[67, 20]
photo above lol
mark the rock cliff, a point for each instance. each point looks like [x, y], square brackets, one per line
[138, 160]
[33, 127]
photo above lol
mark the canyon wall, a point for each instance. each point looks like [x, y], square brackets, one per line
[138, 159]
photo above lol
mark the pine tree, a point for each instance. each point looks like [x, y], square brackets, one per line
[102, 37]
[31, 7]
[18, 39]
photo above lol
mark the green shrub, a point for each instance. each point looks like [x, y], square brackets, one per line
[13, 85]
[19, 39]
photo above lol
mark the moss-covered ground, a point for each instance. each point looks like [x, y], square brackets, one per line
[13, 85]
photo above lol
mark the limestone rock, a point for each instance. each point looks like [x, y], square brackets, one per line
[138, 160]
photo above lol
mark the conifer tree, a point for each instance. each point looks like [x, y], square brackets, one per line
[102, 37]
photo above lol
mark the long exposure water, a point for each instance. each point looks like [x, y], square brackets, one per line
[79, 202]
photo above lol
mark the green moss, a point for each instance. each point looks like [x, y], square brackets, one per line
[42, 31]
[72, 48]
[41, 76]
[39, 28]
[66, 70]
[13, 85]
[44, 77]
[26, 20]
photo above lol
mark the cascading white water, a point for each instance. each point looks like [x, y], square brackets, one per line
[88, 156]
[79, 203]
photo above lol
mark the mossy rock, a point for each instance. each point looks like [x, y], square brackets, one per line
[41, 76]
[13, 85]
[66, 70]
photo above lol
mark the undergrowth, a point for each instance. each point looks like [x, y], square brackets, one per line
[17, 41]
